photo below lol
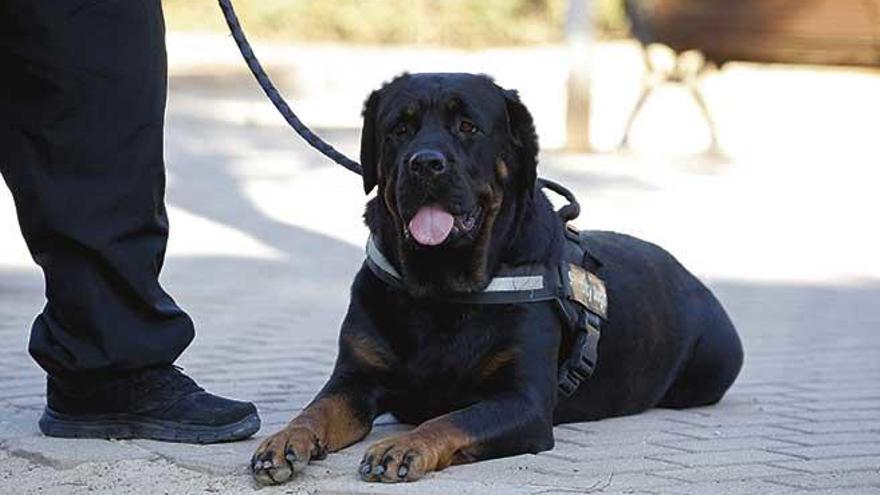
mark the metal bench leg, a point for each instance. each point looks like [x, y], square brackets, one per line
[693, 84]
[650, 81]
[647, 89]
[713, 131]
[682, 73]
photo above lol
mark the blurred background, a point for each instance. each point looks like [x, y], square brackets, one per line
[753, 155]
[750, 127]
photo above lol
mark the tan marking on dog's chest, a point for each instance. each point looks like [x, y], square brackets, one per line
[368, 352]
[497, 361]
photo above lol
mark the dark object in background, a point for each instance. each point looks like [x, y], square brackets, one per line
[825, 32]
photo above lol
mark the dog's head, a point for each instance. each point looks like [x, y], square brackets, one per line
[454, 160]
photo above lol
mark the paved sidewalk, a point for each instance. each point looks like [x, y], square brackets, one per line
[266, 237]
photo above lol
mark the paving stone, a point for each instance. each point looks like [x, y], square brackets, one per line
[722, 473]
[830, 465]
[760, 389]
[707, 433]
[18, 424]
[723, 458]
[627, 423]
[433, 484]
[837, 415]
[843, 394]
[835, 427]
[744, 487]
[601, 439]
[625, 451]
[874, 490]
[223, 458]
[845, 405]
[759, 419]
[829, 480]
[540, 480]
[635, 481]
[724, 444]
[852, 437]
[66, 453]
[831, 451]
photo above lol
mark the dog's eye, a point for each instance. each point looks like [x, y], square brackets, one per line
[467, 127]
[401, 129]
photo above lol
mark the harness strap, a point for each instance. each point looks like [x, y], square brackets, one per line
[584, 357]
[579, 295]
[520, 284]
[381, 267]
[586, 306]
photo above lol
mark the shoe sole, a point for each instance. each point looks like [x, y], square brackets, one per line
[123, 426]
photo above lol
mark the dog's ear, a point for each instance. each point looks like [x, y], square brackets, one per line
[369, 145]
[524, 138]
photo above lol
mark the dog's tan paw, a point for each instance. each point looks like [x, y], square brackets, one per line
[284, 454]
[402, 458]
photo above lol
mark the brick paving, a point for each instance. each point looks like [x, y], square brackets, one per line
[804, 416]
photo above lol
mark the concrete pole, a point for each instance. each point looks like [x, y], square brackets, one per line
[579, 36]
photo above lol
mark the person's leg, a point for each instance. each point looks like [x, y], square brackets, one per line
[82, 103]
[83, 98]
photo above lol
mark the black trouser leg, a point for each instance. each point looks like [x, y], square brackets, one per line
[82, 104]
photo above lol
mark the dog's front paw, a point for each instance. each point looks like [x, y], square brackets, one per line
[284, 454]
[406, 457]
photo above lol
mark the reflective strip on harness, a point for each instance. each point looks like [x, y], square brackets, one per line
[505, 284]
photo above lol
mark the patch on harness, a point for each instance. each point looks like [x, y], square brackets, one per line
[588, 290]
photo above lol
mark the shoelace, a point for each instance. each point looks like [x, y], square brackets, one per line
[170, 380]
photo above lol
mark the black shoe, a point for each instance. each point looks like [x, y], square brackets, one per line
[156, 403]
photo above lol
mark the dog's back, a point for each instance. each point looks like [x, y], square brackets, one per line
[667, 341]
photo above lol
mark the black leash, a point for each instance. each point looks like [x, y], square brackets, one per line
[275, 97]
[567, 212]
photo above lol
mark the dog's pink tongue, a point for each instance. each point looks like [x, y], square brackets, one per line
[431, 225]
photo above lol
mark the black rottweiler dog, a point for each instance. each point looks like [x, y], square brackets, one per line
[454, 160]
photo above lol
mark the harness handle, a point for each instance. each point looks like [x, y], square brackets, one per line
[572, 209]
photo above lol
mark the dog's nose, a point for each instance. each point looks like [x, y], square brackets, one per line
[427, 163]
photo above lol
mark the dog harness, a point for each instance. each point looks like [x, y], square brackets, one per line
[579, 296]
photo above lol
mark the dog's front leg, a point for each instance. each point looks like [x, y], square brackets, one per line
[492, 428]
[513, 416]
[339, 416]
